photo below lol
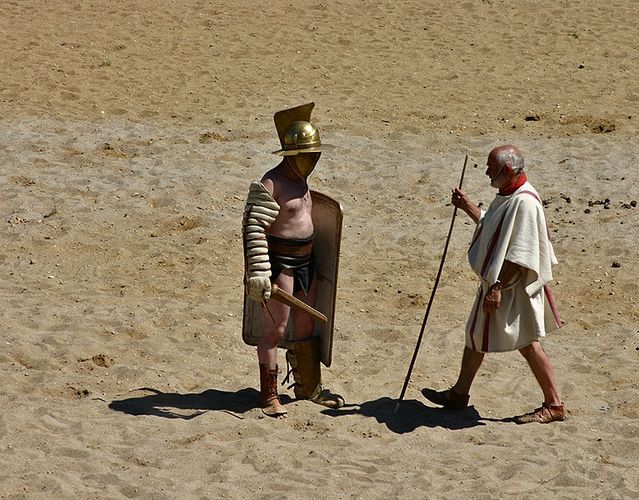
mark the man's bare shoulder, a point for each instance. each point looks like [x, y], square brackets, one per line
[273, 178]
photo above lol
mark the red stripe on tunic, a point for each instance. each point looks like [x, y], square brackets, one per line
[537, 198]
[492, 244]
[489, 254]
[472, 326]
[485, 336]
[531, 194]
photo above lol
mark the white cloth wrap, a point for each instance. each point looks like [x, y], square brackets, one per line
[260, 212]
[518, 226]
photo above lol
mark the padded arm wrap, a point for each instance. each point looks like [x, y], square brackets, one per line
[260, 212]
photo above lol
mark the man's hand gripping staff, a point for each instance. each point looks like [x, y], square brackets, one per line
[260, 212]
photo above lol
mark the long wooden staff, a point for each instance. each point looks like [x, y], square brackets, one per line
[432, 296]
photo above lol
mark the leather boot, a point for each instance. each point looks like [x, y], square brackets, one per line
[304, 358]
[269, 398]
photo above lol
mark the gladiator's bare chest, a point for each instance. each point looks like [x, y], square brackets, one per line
[298, 204]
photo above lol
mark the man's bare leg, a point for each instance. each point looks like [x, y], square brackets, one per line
[471, 361]
[542, 369]
[275, 321]
[552, 410]
[276, 318]
[456, 398]
[303, 322]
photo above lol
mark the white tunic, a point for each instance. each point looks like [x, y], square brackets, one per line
[514, 229]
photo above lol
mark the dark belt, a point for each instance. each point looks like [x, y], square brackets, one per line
[290, 246]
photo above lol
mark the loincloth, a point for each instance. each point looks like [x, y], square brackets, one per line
[294, 254]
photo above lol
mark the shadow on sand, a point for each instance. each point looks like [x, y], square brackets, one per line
[412, 414]
[169, 404]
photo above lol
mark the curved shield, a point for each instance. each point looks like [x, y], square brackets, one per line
[327, 219]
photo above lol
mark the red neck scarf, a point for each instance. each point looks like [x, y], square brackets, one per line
[514, 185]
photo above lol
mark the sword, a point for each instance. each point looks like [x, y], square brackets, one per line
[432, 296]
[286, 298]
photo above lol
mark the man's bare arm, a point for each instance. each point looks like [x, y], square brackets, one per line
[461, 201]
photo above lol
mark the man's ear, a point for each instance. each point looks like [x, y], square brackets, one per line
[508, 169]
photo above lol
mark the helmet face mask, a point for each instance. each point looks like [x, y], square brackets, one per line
[303, 163]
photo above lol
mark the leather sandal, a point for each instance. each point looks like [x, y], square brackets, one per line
[327, 398]
[543, 415]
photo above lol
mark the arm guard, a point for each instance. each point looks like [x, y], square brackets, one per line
[260, 212]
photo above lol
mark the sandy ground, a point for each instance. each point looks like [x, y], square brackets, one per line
[129, 133]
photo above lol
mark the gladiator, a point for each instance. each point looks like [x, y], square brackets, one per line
[291, 247]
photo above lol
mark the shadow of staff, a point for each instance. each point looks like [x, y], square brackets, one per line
[412, 414]
[165, 404]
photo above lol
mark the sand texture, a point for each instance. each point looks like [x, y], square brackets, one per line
[129, 134]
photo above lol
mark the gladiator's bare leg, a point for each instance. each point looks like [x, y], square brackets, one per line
[275, 322]
[303, 322]
[542, 369]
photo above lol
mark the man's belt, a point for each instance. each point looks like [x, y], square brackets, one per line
[286, 246]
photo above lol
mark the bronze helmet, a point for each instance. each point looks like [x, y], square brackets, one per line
[296, 132]
[300, 137]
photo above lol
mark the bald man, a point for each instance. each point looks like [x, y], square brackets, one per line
[512, 254]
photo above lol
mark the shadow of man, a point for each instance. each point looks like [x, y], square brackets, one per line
[410, 415]
[168, 404]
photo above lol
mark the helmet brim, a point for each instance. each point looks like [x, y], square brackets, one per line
[294, 152]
